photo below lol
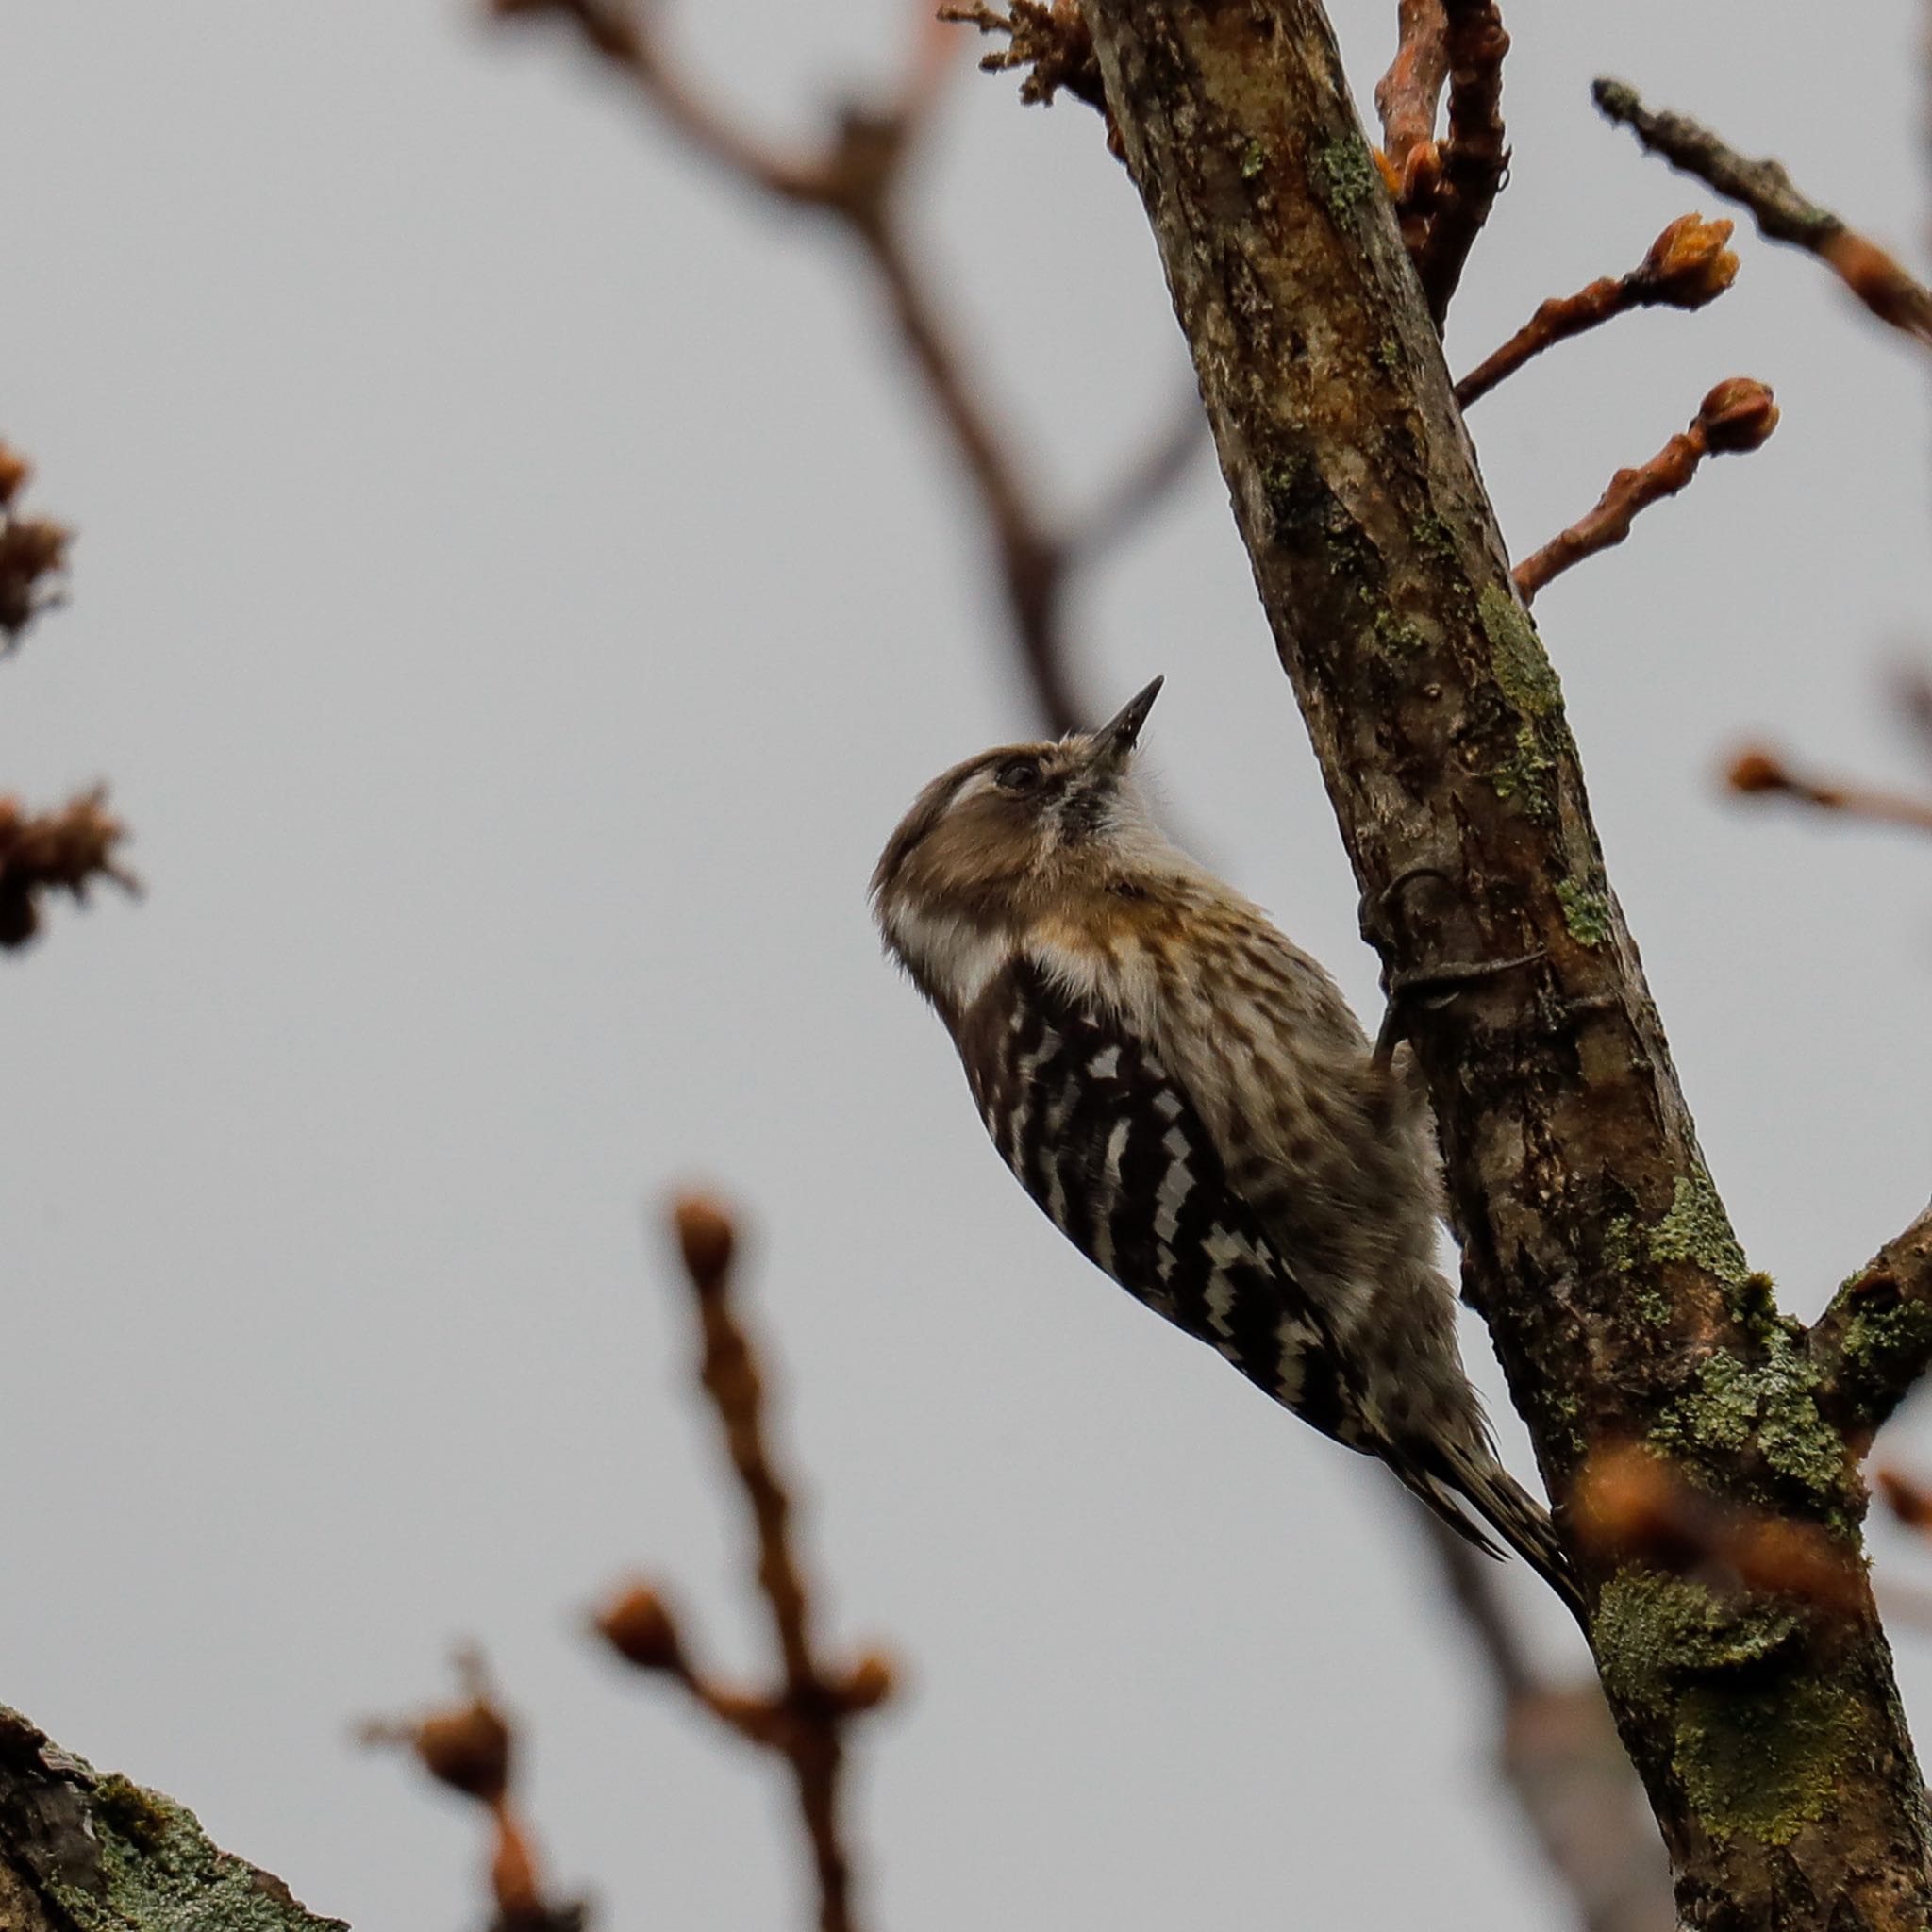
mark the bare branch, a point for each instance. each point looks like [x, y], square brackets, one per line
[1686, 266]
[1475, 154]
[1876, 1339]
[470, 1748]
[1049, 41]
[1782, 212]
[1760, 772]
[63, 851]
[1735, 416]
[804, 1719]
[33, 553]
[1407, 99]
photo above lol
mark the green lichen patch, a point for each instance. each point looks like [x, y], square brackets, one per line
[1770, 1402]
[1254, 159]
[1396, 637]
[1762, 1763]
[1652, 1634]
[1586, 912]
[1432, 535]
[1344, 173]
[1524, 775]
[1698, 1229]
[1521, 665]
[1899, 1331]
[155, 1867]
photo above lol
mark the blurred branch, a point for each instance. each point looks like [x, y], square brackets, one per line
[1758, 772]
[857, 177]
[1558, 1757]
[1686, 266]
[1782, 212]
[33, 552]
[1737, 416]
[470, 1748]
[84, 1851]
[804, 1718]
[63, 851]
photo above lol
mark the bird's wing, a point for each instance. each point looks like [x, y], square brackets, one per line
[1101, 1134]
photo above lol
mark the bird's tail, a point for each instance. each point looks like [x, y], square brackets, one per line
[1453, 1480]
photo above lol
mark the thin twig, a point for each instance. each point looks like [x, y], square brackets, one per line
[1686, 266]
[1762, 772]
[63, 851]
[1735, 416]
[1475, 152]
[1049, 43]
[1783, 213]
[33, 553]
[470, 1748]
[804, 1719]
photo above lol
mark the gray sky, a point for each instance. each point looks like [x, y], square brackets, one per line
[516, 594]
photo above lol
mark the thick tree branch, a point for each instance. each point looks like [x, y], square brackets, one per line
[1783, 213]
[1876, 1339]
[1768, 1735]
[81, 1850]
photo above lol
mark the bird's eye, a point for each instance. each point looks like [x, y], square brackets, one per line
[1019, 776]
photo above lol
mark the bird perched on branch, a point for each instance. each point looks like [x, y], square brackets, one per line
[1188, 1097]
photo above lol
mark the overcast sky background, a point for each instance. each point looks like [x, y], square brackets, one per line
[516, 593]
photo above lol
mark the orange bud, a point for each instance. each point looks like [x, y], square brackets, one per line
[707, 1237]
[1737, 416]
[638, 1626]
[1756, 770]
[872, 1681]
[467, 1748]
[14, 470]
[1689, 264]
[1911, 1504]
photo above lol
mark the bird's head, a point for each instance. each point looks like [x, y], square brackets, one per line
[1014, 831]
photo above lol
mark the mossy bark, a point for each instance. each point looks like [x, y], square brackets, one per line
[1768, 1738]
[83, 1851]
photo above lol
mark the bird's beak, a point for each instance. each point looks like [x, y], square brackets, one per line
[1122, 732]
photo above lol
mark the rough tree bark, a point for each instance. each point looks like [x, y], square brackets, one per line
[81, 1850]
[1766, 1729]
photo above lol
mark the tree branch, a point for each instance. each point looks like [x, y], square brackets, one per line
[1876, 1339]
[1736, 417]
[1686, 266]
[1593, 1240]
[81, 1850]
[1783, 213]
[1474, 154]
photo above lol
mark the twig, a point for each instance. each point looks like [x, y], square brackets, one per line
[1407, 99]
[1783, 213]
[33, 551]
[1758, 772]
[804, 1718]
[1735, 416]
[854, 177]
[56, 850]
[1475, 154]
[1049, 41]
[1686, 266]
[1874, 1341]
[471, 1748]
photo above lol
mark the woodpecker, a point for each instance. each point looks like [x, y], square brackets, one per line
[1188, 1097]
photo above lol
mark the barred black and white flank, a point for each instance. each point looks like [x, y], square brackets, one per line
[1190, 1099]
